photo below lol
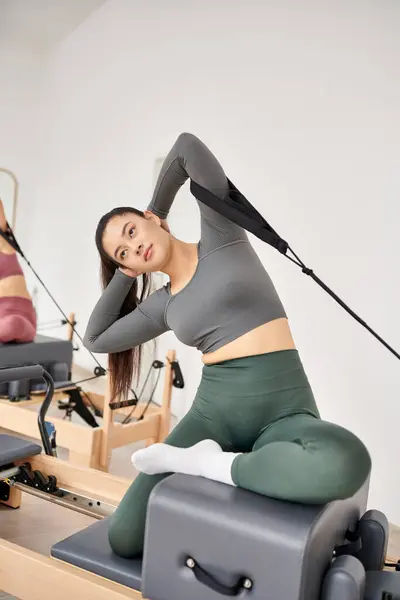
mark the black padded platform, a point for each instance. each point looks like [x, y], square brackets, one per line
[90, 550]
[42, 350]
[13, 448]
[52, 354]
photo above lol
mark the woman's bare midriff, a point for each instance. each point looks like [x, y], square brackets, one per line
[270, 337]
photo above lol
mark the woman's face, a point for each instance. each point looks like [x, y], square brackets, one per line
[137, 243]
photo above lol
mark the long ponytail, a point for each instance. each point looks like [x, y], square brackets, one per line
[124, 365]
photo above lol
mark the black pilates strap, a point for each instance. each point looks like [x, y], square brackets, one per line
[9, 236]
[239, 210]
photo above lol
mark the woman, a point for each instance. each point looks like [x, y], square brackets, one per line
[17, 313]
[254, 422]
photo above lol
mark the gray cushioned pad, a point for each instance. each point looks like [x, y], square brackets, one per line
[379, 581]
[89, 549]
[13, 448]
[42, 350]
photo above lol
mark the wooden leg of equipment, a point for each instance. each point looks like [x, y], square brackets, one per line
[165, 422]
[70, 327]
[107, 431]
[14, 501]
[89, 459]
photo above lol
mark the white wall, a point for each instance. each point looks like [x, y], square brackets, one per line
[21, 79]
[300, 103]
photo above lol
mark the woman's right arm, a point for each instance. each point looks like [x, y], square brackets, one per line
[107, 332]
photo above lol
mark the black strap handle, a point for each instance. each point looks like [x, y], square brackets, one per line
[178, 381]
[211, 582]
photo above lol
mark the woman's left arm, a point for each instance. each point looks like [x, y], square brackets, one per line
[188, 158]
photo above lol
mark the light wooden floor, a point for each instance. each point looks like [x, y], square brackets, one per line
[38, 529]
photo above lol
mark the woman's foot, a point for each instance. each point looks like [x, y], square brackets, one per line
[205, 459]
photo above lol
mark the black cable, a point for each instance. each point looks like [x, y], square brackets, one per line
[151, 397]
[85, 380]
[129, 416]
[60, 309]
[311, 274]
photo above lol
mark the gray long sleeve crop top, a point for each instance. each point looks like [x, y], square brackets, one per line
[230, 293]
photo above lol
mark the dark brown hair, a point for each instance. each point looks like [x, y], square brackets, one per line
[122, 365]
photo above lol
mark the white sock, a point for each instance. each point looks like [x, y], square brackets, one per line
[205, 459]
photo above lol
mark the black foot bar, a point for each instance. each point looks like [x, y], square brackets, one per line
[34, 372]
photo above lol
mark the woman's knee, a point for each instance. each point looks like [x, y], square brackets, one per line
[344, 462]
[127, 524]
[126, 542]
[354, 468]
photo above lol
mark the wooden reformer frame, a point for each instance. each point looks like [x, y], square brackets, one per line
[29, 575]
[88, 446]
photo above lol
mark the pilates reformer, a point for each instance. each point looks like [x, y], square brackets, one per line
[87, 446]
[204, 540]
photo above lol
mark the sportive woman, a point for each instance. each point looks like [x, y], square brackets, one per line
[254, 422]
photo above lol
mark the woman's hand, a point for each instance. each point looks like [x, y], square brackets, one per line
[163, 222]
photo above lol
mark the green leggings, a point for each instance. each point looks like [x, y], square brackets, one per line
[261, 406]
